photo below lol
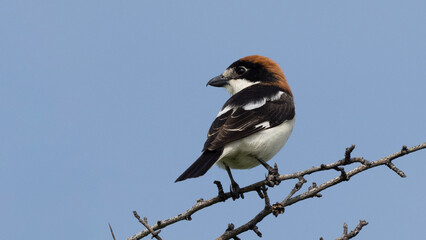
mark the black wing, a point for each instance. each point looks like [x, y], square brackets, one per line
[238, 123]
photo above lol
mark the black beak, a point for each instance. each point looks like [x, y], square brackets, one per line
[218, 81]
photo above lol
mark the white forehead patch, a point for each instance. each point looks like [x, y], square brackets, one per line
[228, 73]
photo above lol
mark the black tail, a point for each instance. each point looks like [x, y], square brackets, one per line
[203, 163]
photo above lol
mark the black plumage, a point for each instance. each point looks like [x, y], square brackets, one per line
[237, 123]
[201, 165]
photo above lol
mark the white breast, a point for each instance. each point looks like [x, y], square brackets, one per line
[242, 153]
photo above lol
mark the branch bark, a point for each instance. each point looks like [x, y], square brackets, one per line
[278, 208]
[352, 233]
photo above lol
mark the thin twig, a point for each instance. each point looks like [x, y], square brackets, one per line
[145, 223]
[348, 152]
[112, 232]
[296, 188]
[397, 170]
[352, 233]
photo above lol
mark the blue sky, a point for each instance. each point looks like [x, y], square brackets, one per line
[103, 105]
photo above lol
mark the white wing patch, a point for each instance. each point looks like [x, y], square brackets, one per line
[276, 96]
[265, 124]
[258, 104]
[225, 110]
[254, 105]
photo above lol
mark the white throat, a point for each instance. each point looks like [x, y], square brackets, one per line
[236, 85]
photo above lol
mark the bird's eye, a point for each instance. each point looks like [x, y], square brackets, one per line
[241, 70]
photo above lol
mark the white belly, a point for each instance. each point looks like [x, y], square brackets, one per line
[243, 153]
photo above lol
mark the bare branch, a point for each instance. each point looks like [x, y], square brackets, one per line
[145, 223]
[313, 191]
[230, 228]
[296, 188]
[354, 232]
[278, 208]
[397, 170]
[256, 230]
[345, 229]
[251, 225]
[248, 226]
[112, 232]
[348, 152]
[383, 161]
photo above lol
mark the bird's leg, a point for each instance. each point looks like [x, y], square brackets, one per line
[235, 189]
[273, 176]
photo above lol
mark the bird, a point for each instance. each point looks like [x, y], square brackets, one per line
[253, 124]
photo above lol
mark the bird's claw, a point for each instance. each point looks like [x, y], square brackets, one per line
[235, 191]
[273, 177]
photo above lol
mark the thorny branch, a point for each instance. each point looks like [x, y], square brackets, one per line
[278, 208]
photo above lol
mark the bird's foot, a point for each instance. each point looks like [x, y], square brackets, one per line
[235, 191]
[273, 177]
[221, 194]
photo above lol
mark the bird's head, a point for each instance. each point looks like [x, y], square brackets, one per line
[248, 71]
